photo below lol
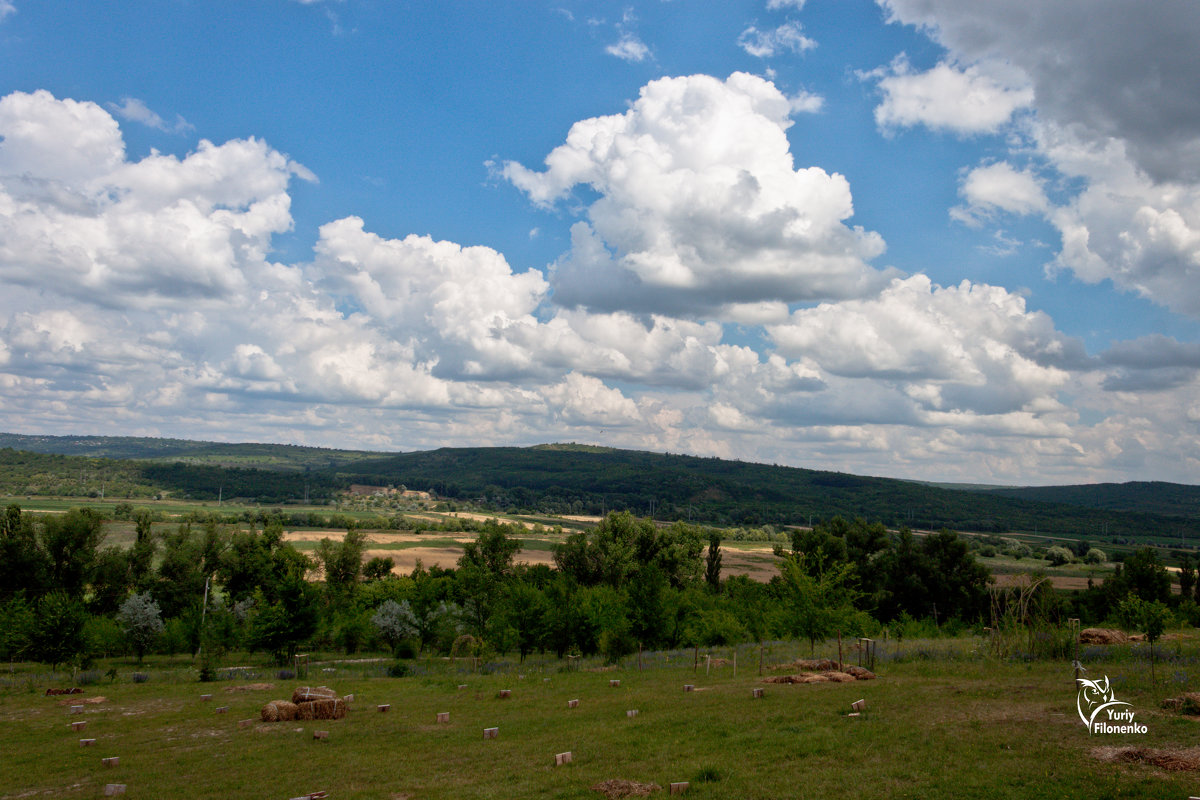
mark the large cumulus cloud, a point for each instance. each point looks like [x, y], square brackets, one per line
[701, 207]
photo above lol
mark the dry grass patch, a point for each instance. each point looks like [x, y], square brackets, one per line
[1169, 759]
[615, 789]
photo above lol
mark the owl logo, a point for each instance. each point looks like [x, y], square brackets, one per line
[1093, 698]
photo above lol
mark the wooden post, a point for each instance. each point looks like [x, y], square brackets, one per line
[707, 663]
[696, 660]
[760, 658]
[491, 733]
[839, 649]
[679, 787]
[443, 717]
[562, 758]
[735, 662]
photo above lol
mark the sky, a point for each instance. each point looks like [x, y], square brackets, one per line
[923, 239]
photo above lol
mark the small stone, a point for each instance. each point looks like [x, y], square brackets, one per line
[443, 716]
[111, 762]
[491, 733]
[562, 758]
[572, 704]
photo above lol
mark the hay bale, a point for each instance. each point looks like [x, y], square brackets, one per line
[328, 708]
[1188, 703]
[279, 711]
[809, 665]
[859, 673]
[616, 789]
[1102, 636]
[839, 677]
[306, 694]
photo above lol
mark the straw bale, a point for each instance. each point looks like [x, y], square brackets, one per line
[279, 711]
[1102, 636]
[804, 677]
[859, 673]
[839, 677]
[616, 789]
[306, 694]
[328, 708]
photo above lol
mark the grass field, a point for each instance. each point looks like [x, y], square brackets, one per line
[942, 720]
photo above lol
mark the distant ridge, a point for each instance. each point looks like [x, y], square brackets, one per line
[574, 478]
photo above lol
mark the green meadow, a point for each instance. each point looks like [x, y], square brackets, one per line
[943, 719]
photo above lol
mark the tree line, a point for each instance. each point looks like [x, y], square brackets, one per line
[211, 587]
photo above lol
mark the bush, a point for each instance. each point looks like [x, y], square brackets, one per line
[1095, 556]
[1057, 556]
[140, 677]
[398, 670]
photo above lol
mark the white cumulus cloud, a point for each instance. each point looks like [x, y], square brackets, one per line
[700, 205]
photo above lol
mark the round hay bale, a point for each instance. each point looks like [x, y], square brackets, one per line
[278, 711]
[306, 694]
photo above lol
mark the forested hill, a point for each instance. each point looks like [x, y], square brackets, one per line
[1151, 497]
[592, 480]
[188, 451]
[579, 479]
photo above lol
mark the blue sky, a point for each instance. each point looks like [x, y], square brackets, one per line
[915, 238]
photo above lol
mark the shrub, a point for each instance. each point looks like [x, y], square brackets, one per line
[1057, 556]
[1095, 556]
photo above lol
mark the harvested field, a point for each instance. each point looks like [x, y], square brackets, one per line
[447, 557]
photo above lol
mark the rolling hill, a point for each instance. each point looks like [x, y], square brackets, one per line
[578, 479]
